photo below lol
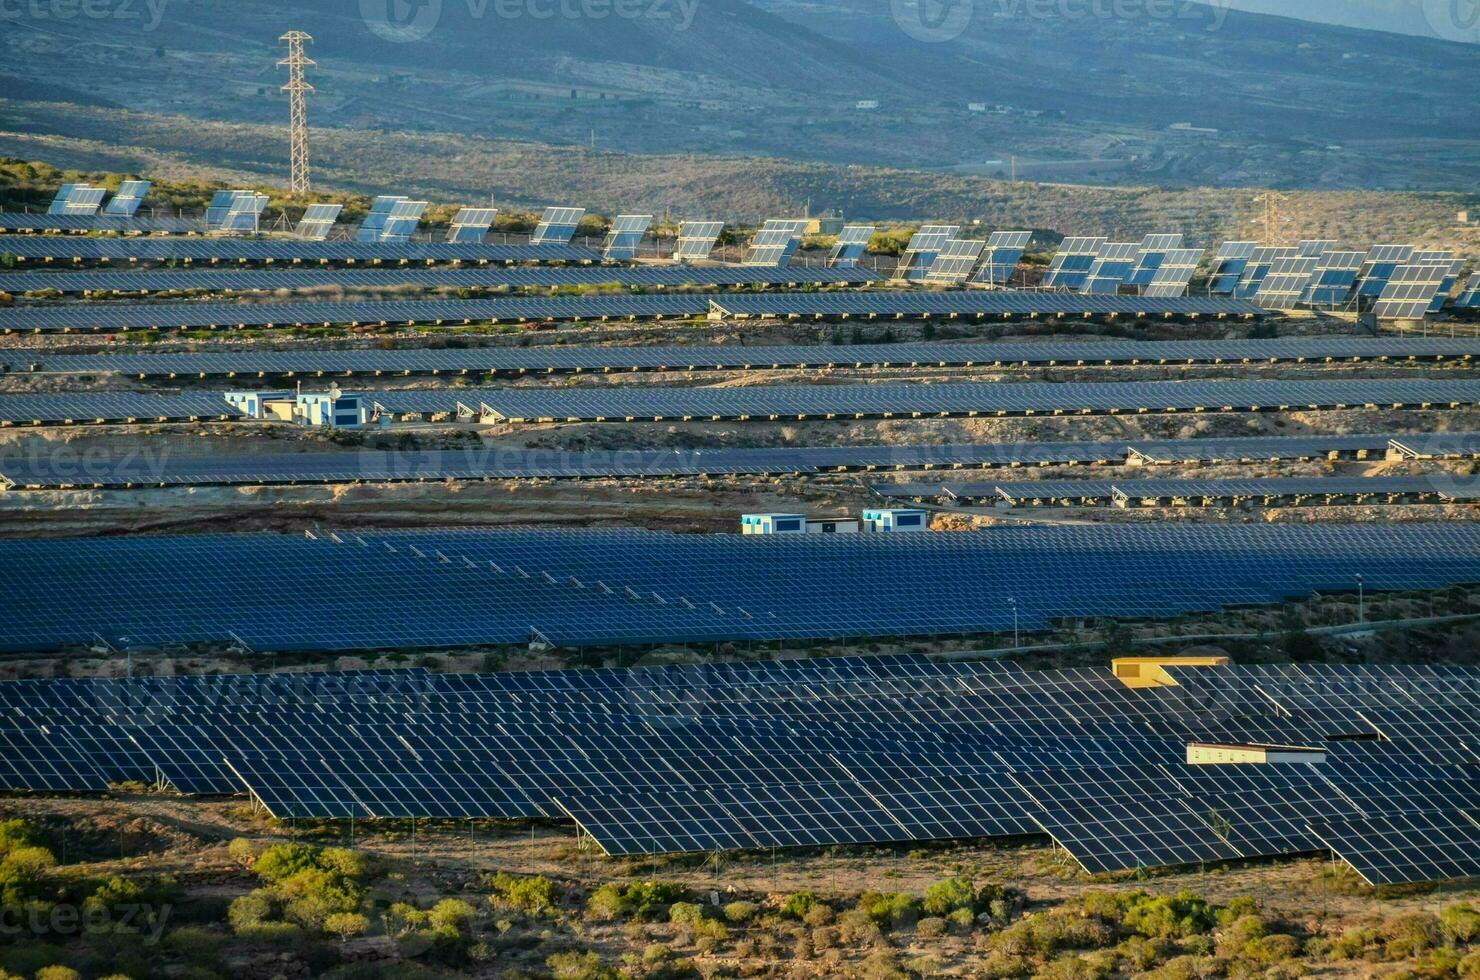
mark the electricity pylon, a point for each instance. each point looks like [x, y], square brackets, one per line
[297, 88]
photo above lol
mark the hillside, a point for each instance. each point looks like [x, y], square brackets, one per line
[454, 169]
[1206, 96]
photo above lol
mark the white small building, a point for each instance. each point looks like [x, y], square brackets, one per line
[773, 524]
[832, 525]
[332, 408]
[896, 519]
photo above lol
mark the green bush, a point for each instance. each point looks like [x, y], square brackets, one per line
[798, 904]
[1410, 934]
[1461, 923]
[533, 896]
[931, 928]
[890, 909]
[948, 896]
[740, 913]
[579, 966]
[645, 900]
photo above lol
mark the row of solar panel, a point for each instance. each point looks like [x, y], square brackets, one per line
[60, 469]
[1115, 793]
[603, 588]
[867, 303]
[562, 358]
[1436, 488]
[52, 248]
[505, 277]
[775, 402]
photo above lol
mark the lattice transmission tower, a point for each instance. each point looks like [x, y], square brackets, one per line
[297, 89]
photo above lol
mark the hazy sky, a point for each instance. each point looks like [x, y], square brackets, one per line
[1454, 20]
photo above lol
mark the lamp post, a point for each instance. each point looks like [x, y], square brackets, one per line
[1361, 601]
[1013, 603]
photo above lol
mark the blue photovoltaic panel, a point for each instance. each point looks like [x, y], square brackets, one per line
[1003, 253]
[1258, 267]
[954, 262]
[1285, 283]
[469, 225]
[776, 242]
[920, 252]
[1112, 266]
[1228, 266]
[1470, 298]
[1410, 292]
[557, 226]
[696, 240]
[1150, 256]
[562, 358]
[850, 246]
[1174, 275]
[76, 199]
[317, 221]
[155, 249]
[235, 210]
[485, 277]
[1335, 279]
[1381, 261]
[602, 587]
[1446, 286]
[125, 202]
[1071, 263]
[626, 234]
[1317, 248]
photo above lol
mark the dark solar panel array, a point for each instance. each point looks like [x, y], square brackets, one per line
[830, 304]
[243, 280]
[553, 358]
[805, 753]
[50, 470]
[582, 588]
[63, 248]
[135, 224]
[1316, 490]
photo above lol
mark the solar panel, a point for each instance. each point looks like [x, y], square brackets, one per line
[920, 252]
[1228, 266]
[76, 199]
[128, 197]
[1112, 267]
[1469, 298]
[469, 225]
[696, 240]
[775, 242]
[1174, 275]
[1316, 248]
[1286, 281]
[850, 245]
[391, 219]
[1003, 253]
[156, 249]
[1379, 266]
[485, 277]
[317, 221]
[1335, 279]
[1072, 262]
[1410, 292]
[1258, 267]
[954, 262]
[1150, 256]
[557, 226]
[235, 210]
[1406, 848]
[626, 234]
[1446, 286]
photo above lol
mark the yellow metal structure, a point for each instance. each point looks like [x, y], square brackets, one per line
[1151, 671]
